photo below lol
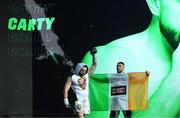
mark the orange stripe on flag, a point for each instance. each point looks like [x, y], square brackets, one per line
[138, 91]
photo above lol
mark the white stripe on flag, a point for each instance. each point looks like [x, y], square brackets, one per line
[118, 91]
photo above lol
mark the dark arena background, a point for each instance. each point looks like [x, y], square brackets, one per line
[32, 76]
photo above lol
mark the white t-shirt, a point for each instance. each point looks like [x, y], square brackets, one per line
[80, 86]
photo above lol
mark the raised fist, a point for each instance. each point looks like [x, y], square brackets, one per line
[93, 51]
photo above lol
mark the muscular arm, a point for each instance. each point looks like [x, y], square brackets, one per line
[93, 66]
[67, 87]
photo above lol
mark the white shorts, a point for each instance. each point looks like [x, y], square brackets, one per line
[82, 106]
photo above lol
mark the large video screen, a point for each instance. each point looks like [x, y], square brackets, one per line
[42, 42]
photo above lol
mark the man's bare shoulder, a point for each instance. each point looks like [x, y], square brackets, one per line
[135, 39]
[124, 46]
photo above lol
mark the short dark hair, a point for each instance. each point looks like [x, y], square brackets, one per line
[121, 63]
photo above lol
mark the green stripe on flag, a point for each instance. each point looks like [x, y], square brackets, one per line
[99, 92]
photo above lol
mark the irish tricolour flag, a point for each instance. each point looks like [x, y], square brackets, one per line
[119, 91]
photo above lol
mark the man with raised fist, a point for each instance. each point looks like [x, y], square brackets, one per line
[79, 82]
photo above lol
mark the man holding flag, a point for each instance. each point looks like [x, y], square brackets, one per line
[114, 113]
[119, 92]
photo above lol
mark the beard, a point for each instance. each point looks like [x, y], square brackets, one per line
[119, 71]
[172, 36]
[82, 74]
